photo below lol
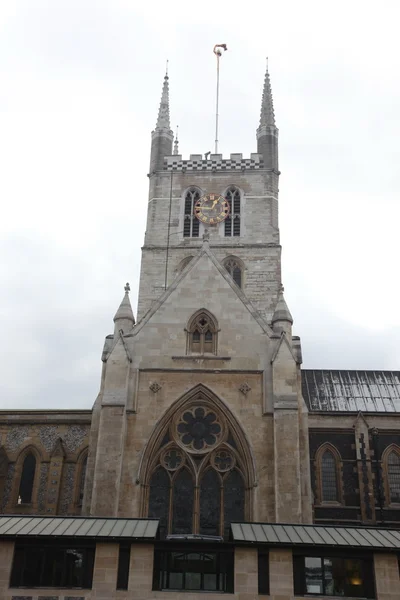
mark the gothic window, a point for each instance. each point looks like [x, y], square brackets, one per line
[190, 223]
[329, 477]
[232, 222]
[27, 479]
[328, 465]
[82, 481]
[393, 476]
[202, 334]
[235, 270]
[196, 482]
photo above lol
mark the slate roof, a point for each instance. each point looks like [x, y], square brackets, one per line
[316, 535]
[351, 391]
[87, 527]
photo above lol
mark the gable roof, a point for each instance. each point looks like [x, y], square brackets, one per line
[204, 251]
[351, 391]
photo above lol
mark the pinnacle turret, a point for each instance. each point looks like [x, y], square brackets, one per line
[267, 116]
[124, 318]
[162, 136]
[282, 320]
[163, 111]
[267, 132]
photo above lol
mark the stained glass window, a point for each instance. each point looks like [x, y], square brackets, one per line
[393, 468]
[329, 487]
[234, 499]
[27, 479]
[182, 507]
[190, 222]
[232, 222]
[160, 498]
[210, 503]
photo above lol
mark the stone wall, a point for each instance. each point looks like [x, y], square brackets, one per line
[59, 442]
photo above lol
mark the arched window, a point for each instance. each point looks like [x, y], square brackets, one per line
[329, 484]
[202, 334]
[328, 474]
[235, 270]
[232, 222]
[82, 481]
[27, 480]
[393, 476]
[191, 224]
[183, 264]
[196, 479]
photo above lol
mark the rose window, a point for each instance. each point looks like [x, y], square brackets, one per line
[223, 461]
[172, 459]
[199, 429]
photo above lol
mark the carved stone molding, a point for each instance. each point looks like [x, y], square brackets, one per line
[155, 387]
[244, 388]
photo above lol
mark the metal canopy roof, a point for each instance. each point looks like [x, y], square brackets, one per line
[83, 527]
[316, 535]
[351, 391]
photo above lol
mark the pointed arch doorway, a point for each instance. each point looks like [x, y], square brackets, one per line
[197, 471]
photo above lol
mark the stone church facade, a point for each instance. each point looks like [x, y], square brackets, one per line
[206, 424]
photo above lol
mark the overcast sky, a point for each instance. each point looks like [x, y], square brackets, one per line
[80, 89]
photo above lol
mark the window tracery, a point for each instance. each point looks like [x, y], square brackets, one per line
[191, 225]
[235, 270]
[202, 334]
[197, 480]
[232, 222]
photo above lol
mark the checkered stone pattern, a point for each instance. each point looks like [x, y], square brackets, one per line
[172, 163]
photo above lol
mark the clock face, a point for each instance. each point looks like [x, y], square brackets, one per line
[211, 209]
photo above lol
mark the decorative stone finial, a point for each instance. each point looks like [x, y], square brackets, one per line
[282, 313]
[127, 288]
[206, 236]
[267, 116]
[163, 111]
[176, 142]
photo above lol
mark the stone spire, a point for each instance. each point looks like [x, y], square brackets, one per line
[267, 132]
[267, 116]
[124, 318]
[162, 136]
[176, 142]
[282, 319]
[163, 111]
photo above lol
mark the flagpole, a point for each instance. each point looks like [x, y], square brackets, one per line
[218, 54]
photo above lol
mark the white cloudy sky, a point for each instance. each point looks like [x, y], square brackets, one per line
[80, 84]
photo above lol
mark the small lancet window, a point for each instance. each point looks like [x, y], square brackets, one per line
[393, 474]
[82, 481]
[232, 222]
[234, 270]
[329, 482]
[191, 224]
[27, 479]
[202, 335]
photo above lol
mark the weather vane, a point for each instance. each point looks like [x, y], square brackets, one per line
[218, 53]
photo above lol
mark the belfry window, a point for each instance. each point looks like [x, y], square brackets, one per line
[202, 334]
[232, 222]
[191, 224]
[235, 271]
[27, 479]
[393, 476]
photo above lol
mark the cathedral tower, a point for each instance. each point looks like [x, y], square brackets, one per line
[200, 419]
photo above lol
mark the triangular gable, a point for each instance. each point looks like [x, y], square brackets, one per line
[283, 340]
[204, 251]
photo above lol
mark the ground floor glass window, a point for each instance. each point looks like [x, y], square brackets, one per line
[334, 576]
[194, 570]
[52, 566]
